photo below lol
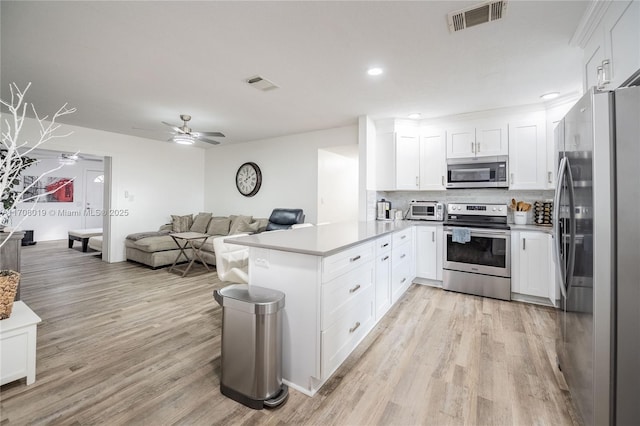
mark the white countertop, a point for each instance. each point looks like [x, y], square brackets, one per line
[323, 240]
[531, 227]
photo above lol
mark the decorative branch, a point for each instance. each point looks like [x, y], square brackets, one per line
[14, 154]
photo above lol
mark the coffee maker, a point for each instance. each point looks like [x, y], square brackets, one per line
[384, 210]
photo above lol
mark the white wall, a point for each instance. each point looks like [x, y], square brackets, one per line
[338, 184]
[289, 166]
[161, 178]
[52, 220]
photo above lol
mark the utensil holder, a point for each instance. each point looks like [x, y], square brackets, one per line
[520, 218]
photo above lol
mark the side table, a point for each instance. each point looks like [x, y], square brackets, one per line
[18, 344]
[187, 239]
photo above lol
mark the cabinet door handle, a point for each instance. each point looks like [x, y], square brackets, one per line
[355, 327]
[403, 280]
[433, 237]
[550, 177]
[385, 258]
[403, 237]
[356, 288]
[353, 259]
[385, 245]
[478, 147]
[473, 149]
[511, 178]
[417, 180]
[524, 244]
[606, 78]
[442, 180]
[403, 256]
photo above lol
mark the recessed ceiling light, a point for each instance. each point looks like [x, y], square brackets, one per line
[375, 71]
[549, 96]
[415, 115]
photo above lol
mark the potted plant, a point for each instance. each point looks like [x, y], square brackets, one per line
[14, 159]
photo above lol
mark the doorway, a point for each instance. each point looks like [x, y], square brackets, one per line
[93, 198]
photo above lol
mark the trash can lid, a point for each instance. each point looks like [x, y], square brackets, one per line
[252, 298]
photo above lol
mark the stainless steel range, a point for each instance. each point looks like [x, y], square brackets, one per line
[477, 250]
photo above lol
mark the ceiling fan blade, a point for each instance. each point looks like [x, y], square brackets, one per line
[211, 141]
[173, 126]
[214, 134]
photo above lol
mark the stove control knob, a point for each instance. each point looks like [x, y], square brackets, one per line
[494, 209]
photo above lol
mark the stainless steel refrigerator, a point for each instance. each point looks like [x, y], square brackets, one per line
[597, 246]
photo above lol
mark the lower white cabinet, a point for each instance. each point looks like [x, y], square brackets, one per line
[383, 276]
[402, 263]
[18, 345]
[429, 252]
[532, 266]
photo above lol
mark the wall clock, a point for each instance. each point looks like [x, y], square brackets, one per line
[249, 179]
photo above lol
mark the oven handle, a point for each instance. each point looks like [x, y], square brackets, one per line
[449, 229]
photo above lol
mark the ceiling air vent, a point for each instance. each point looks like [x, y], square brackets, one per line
[261, 83]
[476, 14]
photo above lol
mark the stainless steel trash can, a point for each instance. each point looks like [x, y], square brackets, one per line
[251, 370]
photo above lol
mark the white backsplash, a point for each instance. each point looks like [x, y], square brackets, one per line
[401, 199]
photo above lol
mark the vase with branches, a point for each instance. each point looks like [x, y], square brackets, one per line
[14, 160]
[14, 152]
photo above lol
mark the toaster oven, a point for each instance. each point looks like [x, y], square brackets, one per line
[426, 210]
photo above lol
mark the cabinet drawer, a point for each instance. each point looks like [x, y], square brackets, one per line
[341, 294]
[401, 237]
[339, 340]
[383, 244]
[402, 253]
[400, 280]
[347, 260]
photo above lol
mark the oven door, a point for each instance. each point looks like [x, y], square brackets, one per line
[488, 252]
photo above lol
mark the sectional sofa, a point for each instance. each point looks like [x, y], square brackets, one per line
[157, 249]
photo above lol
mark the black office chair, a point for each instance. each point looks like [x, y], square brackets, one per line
[284, 218]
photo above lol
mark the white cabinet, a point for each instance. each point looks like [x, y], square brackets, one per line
[612, 53]
[528, 153]
[383, 276]
[18, 345]
[407, 162]
[433, 163]
[478, 140]
[429, 252]
[402, 263]
[532, 266]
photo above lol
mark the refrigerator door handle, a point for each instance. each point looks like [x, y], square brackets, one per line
[572, 228]
[556, 227]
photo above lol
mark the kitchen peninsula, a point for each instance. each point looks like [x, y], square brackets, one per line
[339, 280]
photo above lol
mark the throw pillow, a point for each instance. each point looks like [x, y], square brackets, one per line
[239, 221]
[181, 223]
[219, 226]
[246, 227]
[200, 223]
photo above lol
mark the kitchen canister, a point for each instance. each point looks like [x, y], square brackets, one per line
[520, 218]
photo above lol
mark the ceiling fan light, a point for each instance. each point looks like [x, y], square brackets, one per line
[184, 139]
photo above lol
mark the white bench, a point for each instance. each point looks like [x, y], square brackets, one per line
[83, 236]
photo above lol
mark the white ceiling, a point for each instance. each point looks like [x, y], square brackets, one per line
[128, 65]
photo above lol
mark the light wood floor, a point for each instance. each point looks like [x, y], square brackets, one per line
[124, 344]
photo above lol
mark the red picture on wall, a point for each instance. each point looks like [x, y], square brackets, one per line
[49, 189]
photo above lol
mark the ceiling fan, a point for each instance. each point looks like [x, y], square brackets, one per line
[185, 136]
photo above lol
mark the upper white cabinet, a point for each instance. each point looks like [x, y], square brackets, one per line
[433, 163]
[528, 153]
[479, 140]
[612, 53]
[408, 161]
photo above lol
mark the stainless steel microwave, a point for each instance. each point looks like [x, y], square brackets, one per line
[478, 172]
